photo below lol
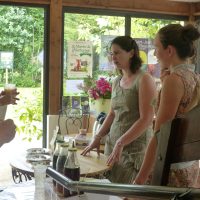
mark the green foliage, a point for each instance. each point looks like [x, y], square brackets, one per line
[94, 26]
[30, 116]
[22, 32]
[147, 28]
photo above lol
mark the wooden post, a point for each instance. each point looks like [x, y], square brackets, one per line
[55, 56]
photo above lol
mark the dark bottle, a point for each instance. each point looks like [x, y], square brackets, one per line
[60, 165]
[55, 155]
[59, 137]
[71, 169]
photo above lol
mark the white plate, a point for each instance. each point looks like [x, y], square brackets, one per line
[38, 151]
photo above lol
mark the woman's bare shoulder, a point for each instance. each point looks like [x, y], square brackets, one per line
[172, 79]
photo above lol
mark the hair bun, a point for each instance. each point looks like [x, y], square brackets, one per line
[190, 33]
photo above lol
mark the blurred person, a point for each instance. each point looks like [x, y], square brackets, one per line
[7, 127]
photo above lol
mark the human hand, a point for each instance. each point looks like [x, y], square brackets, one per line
[7, 131]
[116, 153]
[8, 98]
[94, 144]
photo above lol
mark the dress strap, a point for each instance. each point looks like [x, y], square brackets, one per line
[116, 82]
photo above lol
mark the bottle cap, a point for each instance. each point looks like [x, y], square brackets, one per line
[59, 141]
[73, 148]
[64, 144]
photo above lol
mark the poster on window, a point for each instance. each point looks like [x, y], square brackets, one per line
[105, 62]
[85, 105]
[66, 102]
[153, 67]
[76, 101]
[143, 47]
[72, 86]
[79, 59]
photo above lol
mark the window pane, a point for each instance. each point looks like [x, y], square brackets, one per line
[92, 29]
[21, 62]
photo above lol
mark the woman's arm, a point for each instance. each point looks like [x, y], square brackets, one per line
[171, 95]
[147, 93]
[148, 162]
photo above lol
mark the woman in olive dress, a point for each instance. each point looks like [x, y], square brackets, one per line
[128, 125]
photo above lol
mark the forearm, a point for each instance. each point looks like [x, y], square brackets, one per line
[106, 124]
[148, 162]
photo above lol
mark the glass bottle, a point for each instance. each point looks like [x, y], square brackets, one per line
[55, 155]
[59, 137]
[71, 168]
[60, 165]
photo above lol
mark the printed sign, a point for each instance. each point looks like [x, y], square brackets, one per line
[106, 63]
[79, 59]
[6, 60]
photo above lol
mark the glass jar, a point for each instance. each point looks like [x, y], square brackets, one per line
[40, 176]
[60, 165]
[71, 169]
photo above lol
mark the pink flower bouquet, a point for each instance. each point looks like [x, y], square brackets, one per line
[97, 89]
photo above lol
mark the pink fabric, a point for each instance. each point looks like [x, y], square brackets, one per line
[185, 177]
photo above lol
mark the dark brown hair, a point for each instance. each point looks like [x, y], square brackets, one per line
[181, 37]
[127, 43]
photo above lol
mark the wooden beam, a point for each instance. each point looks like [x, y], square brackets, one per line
[197, 10]
[43, 2]
[191, 15]
[146, 6]
[55, 56]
